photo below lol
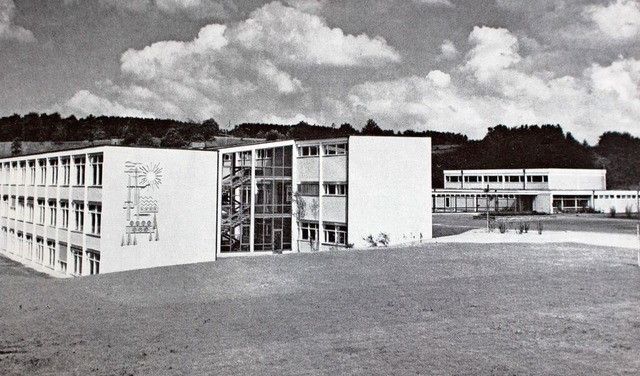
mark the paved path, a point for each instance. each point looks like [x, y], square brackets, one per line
[593, 238]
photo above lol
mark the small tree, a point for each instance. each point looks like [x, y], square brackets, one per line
[146, 139]
[372, 129]
[16, 147]
[172, 139]
[300, 212]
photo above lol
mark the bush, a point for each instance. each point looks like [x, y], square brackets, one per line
[383, 239]
[503, 227]
[526, 227]
[628, 210]
[369, 239]
[539, 227]
[612, 212]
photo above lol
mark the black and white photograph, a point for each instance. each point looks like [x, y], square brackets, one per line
[319, 187]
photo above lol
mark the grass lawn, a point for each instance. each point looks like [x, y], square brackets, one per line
[456, 223]
[435, 309]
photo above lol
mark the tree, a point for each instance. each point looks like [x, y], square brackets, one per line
[209, 129]
[372, 129]
[172, 139]
[16, 147]
[273, 135]
[347, 129]
[146, 139]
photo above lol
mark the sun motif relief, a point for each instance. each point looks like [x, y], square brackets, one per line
[151, 175]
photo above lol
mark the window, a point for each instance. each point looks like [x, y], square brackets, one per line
[513, 179]
[472, 179]
[42, 165]
[93, 258]
[66, 171]
[79, 163]
[5, 205]
[335, 149]
[29, 246]
[76, 253]
[537, 179]
[53, 163]
[62, 256]
[309, 231]
[264, 153]
[309, 189]
[308, 151]
[95, 211]
[51, 247]
[32, 172]
[494, 179]
[30, 209]
[21, 208]
[335, 189]
[96, 169]
[20, 237]
[39, 250]
[78, 216]
[41, 211]
[23, 174]
[453, 179]
[335, 234]
[53, 213]
[64, 210]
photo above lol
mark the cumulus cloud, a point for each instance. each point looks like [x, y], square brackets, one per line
[245, 66]
[445, 3]
[7, 28]
[86, 103]
[619, 20]
[448, 50]
[298, 38]
[196, 9]
[492, 87]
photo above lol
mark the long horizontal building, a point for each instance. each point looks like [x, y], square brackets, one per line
[109, 208]
[548, 190]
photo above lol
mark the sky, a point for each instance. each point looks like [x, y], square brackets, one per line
[446, 65]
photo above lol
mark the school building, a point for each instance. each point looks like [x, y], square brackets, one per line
[544, 190]
[106, 209]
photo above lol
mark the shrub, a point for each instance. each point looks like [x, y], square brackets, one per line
[539, 227]
[627, 210]
[349, 245]
[503, 227]
[612, 212]
[526, 227]
[383, 239]
[369, 239]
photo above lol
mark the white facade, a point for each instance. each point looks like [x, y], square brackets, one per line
[529, 179]
[107, 209]
[540, 190]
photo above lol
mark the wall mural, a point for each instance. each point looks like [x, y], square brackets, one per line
[141, 208]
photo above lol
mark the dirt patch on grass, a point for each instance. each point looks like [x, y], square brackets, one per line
[438, 308]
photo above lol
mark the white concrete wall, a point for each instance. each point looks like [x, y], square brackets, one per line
[577, 179]
[389, 188]
[620, 200]
[187, 211]
[542, 203]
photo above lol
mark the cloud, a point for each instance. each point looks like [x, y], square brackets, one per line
[619, 20]
[248, 66]
[86, 103]
[307, 6]
[493, 87]
[298, 38]
[445, 3]
[448, 50]
[7, 29]
[196, 9]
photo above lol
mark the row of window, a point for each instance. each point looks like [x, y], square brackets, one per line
[12, 204]
[50, 170]
[616, 196]
[327, 149]
[497, 179]
[22, 245]
[329, 189]
[332, 233]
